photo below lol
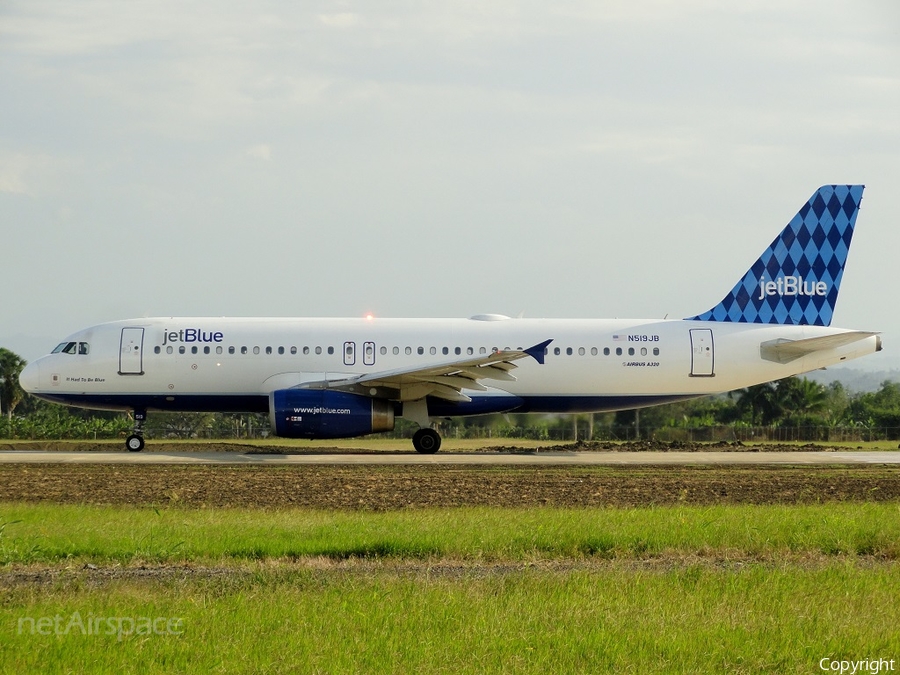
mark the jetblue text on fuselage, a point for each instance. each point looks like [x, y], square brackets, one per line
[791, 286]
[192, 335]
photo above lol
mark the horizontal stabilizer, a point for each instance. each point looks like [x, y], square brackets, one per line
[783, 350]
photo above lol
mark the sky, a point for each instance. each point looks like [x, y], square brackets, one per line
[566, 159]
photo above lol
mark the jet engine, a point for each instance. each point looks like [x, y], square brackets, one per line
[323, 413]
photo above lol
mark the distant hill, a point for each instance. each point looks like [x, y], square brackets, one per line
[854, 379]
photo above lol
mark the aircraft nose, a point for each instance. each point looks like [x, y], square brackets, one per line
[30, 377]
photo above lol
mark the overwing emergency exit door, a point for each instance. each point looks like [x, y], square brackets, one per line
[131, 347]
[702, 353]
[369, 353]
[349, 353]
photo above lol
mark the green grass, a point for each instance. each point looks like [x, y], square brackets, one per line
[35, 533]
[684, 620]
[475, 590]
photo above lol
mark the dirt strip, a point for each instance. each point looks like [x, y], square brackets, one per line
[90, 575]
[381, 488]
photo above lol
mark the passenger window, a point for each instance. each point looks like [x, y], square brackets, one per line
[446, 351]
[643, 351]
[194, 349]
[383, 351]
[243, 350]
[631, 351]
[331, 350]
[618, 351]
[306, 350]
[432, 351]
[593, 351]
[421, 350]
[206, 350]
[318, 350]
[181, 349]
[219, 349]
[293, 350]
[568, 351]
[256, 350]
[169, 349]
[556, 351]
[606, 351]
[231, 350]
[408, 351]
[156, 349]
[581, 351]
[396, 350]
[268, 350]
[281, 350]
[470, 351]
[656, 351]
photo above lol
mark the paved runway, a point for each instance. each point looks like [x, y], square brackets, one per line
[460, 458]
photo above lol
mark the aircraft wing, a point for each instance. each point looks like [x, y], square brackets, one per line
[443, 380]
[783, 350]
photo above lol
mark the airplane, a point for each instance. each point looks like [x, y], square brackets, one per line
[347, 377]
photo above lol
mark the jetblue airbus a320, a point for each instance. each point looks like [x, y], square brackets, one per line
[339, 378]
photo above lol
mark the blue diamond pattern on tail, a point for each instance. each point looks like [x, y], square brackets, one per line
[797, 278]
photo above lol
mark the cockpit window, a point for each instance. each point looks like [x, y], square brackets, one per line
[72, 348]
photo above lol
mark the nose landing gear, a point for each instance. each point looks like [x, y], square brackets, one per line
[135, 442]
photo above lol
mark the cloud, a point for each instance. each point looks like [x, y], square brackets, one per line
[342, 20]
[20, 171]
[11, 182]
[37, 174]
[260, 151]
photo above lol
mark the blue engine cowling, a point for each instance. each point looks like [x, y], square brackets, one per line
[321, 413]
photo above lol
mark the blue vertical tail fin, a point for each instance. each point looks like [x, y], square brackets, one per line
[797, 278]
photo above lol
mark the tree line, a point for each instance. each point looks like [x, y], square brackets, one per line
[814, 411]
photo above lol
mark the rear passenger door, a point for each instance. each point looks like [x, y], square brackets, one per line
[702, 353]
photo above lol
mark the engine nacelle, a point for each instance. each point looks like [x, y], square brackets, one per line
[322, 413]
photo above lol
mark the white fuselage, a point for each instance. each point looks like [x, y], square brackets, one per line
[230, 364]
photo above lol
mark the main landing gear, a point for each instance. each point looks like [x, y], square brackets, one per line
[427, 441]
[135, 442]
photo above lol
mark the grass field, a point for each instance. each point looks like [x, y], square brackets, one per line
[125, 535]
[735, 589]
[695, 618]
